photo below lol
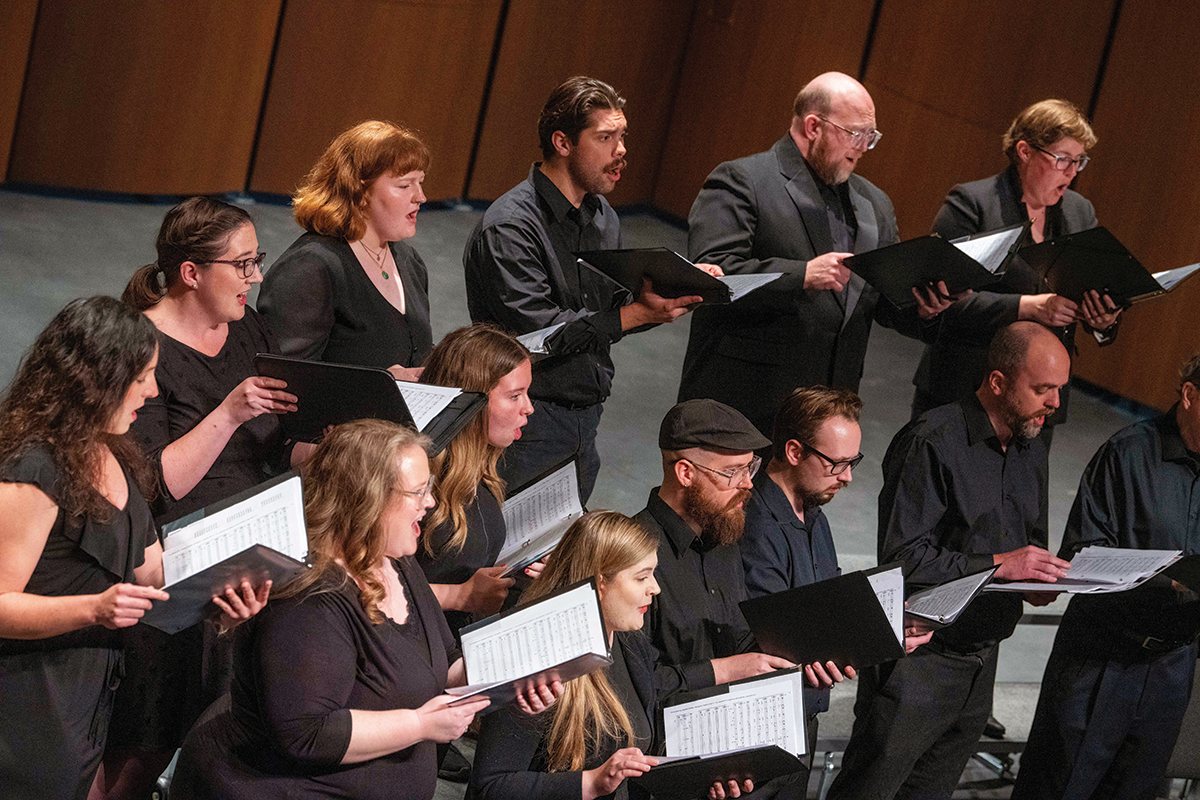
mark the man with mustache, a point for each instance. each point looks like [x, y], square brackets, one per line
[965, 489]
[798, 209]
[1119, 678]
[521, 273]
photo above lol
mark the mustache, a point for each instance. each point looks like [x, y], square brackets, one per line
[619, 164]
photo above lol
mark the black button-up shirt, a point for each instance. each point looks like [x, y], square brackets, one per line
[1140, 490]
[696, 617]
[778, 550]
[521, 274]
[952, 497]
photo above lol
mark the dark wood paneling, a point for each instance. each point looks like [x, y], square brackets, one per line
[635, 45]
[16, 36]
[144, 96]
[419, 64]
[948, 77]
[1146, 185]
[745, 62]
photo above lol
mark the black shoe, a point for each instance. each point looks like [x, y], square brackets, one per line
[454, 767]
[993, 729]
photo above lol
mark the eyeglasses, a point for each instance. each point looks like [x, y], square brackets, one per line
[1063, 163]
[419, 494]
[867, 139]
[837, 467]
[245, 266]
[734, 476]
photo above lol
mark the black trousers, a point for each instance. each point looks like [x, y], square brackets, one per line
[1105, 728]
[916, 722]
[552, 435]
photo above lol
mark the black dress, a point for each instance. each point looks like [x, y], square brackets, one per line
[485, 538]
[511, 760]
[301, 665]
[323, 306]
[171, 679]
[56, 693]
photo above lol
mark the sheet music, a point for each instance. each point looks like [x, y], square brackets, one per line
[742, 285]
[752, 714]
[1098, 570]
[538, 516]
[1168, 278]
[991, 249]
[536, 638]
[536, 342]
[425, 401]
[274, 518]
[944, 603]
[889, 589]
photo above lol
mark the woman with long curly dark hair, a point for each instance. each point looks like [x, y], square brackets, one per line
[79, 558]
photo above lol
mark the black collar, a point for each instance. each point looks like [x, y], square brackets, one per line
[560, 207]
[678, 533]
[776, 502]
[979, 425]
[1173, 446]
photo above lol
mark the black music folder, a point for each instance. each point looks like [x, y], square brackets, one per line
[1076, 263]
[689, 778]
[558, 637]
[972, 262]
[257, 534]
[671, 274]
[330, 394]
[855, 619]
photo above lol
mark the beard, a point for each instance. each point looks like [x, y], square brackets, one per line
[1028, 427]
[720, 524]
[594, 182]
[819, 498]
[830, 170]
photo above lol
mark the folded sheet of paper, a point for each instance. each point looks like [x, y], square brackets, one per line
[274, 518]
[742, 285]
[536, 518]
[990, 249]
[1099, 570]
[1168, 278]
[763, 711]
[889, 589]
[425, 401]
[535, 342]
[943, 603]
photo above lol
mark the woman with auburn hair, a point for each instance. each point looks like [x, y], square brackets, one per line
[211, 432]
[1046, 146]
[339, 685]
[465, 532]
[603, 727]
[79, 556]
[349, 290]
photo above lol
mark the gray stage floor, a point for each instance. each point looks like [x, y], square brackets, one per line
[53, 249]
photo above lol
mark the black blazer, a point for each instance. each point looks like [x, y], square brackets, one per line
[764, 213]
[510, 760]
[953, 363]
[322, 306]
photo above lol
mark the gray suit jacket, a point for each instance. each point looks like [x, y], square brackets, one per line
[953, 364]
[764, 213]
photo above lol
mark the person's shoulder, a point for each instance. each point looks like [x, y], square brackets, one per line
[1078, 210]
[36, 465]
[869, 190]
[518, 204]
[310, 249]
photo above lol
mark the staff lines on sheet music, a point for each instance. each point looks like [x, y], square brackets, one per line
[735, 723]
[270, 529]
[541, 509]
[533, 645]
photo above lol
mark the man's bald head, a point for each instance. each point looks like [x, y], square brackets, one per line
[1027, 366]
[1015, 344]
[833, 125]
[821, 93]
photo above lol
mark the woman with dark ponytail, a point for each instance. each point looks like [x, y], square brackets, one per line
[211, 432]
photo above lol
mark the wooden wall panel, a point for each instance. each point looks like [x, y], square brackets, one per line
[745, 62]
[419, 63]
[1145, 182]
[144, 96]
[947, 80]
[634, 45]
[16, 36]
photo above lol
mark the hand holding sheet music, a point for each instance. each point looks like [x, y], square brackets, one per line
[1099, 570]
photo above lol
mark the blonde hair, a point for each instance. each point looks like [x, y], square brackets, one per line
[332, 199]
[1046, 123]
[598, 545]
[475, 359]
[348, 482]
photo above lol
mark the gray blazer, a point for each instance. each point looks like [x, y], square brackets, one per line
[953, 363]
[764, 213]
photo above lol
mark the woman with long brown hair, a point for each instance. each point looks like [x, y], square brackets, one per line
[350, 290]
[602, 729]
[339, 685]
[465, 532]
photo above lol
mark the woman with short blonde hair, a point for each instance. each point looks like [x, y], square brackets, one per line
[349, 290]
